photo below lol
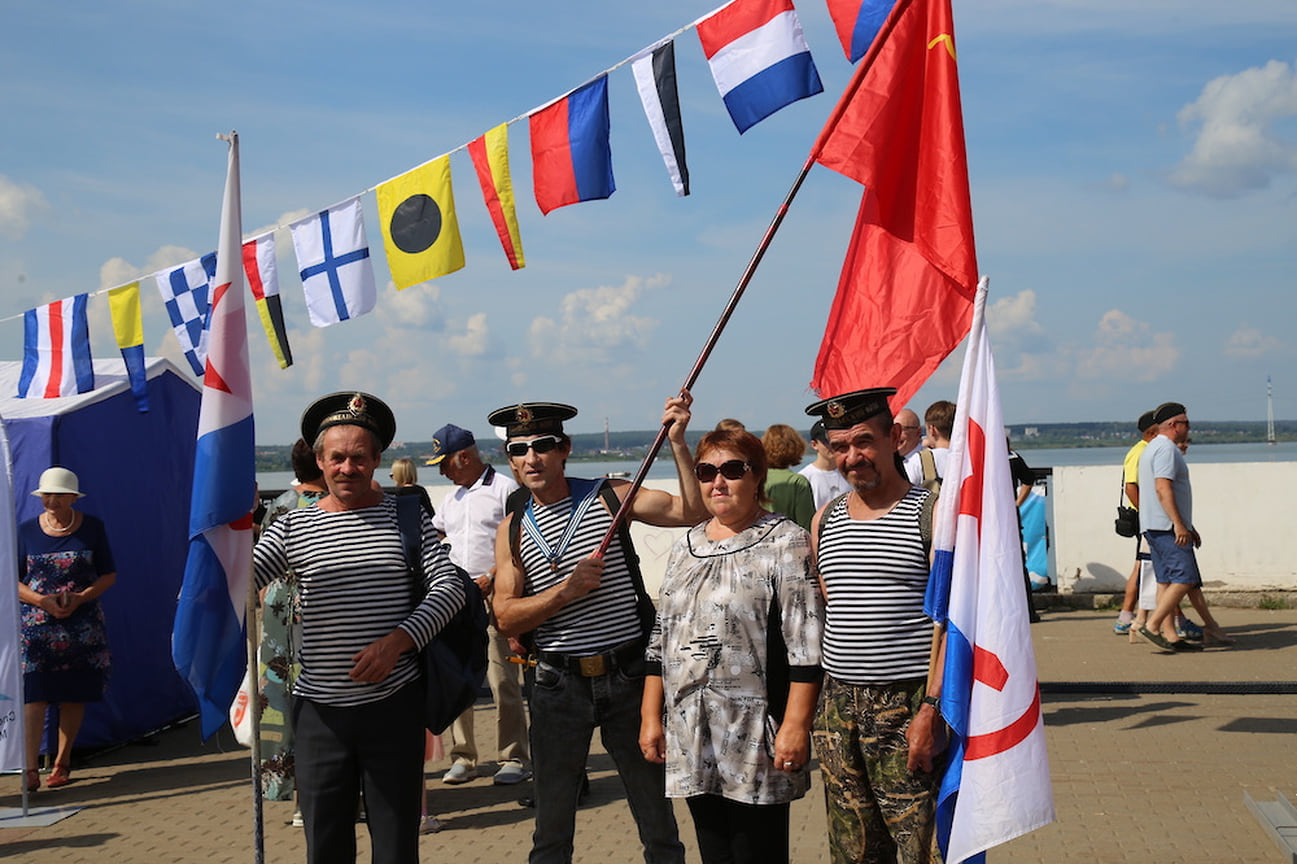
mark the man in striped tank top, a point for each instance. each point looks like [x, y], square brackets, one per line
[589, 619]
[358, 704]
[878, 733]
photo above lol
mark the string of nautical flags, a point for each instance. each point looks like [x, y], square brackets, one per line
[758, 58]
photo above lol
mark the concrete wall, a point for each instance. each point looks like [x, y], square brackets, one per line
[1244, 512]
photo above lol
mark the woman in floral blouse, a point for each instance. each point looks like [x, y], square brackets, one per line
[734, 661]
[64, 565]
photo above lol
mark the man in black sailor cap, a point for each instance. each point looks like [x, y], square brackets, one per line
[877, 735]
[589, 618]
[359, 700]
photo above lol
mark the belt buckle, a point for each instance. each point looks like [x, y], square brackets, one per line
[592, 667]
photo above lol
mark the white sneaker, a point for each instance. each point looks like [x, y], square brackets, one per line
[459, 773]
[297, 821]
[510, 773]
[429, 824]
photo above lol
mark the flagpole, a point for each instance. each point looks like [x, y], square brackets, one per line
[254, 698]
[623, 512]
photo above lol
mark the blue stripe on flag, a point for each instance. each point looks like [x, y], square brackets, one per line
[587, 131]
[936, 598]
[133, 357]
[870, 20]
[772, 88]
[82, 365]
[223, 493]
[207, 640]
[332, 264]
[31, 355]
[956, 693]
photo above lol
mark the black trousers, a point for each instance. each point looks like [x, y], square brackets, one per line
[377, 746]
[733, 833]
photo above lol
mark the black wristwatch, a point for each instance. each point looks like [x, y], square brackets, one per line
[934, 701]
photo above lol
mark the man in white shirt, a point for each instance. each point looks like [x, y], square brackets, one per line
[467, 520]
[911, 444]
[827, 482]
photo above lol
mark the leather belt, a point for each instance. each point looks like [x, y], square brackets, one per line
[594, 665]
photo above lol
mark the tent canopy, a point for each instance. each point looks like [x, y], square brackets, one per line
[136, 470]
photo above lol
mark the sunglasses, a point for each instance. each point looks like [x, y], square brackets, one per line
[542, 444]
[733, 469]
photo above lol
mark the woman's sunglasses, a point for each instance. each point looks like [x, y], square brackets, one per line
[541, 444]
[733, 469]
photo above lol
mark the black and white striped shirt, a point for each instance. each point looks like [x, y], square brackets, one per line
[875, 573]
[602, 619]
[355, 588]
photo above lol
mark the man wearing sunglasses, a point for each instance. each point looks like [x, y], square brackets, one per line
[589, 620]
[877, 734]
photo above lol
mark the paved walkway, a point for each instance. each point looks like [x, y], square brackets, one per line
[1152, 777]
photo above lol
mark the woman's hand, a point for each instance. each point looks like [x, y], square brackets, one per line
[677, 411]
[792, 747]
[652, 740]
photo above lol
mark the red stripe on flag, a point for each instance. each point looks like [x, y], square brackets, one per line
[485, 179]
[253, 270]
[54, 383]
[553, 174]
[737, 19]
[988, 669]
[981, 746]
[970, 491]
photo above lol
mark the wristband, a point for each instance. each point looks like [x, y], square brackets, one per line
[934, 701]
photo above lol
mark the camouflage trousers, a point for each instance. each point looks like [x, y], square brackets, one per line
[878, 810]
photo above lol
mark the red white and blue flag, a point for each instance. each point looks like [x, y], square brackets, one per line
[858, 22]
[571, 157]
[996, 782]
[56, 350]
[207, 644]
[759, 58]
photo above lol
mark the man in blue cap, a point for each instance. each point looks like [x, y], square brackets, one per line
[467, 520]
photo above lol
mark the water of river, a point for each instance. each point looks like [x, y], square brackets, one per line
[664, 469]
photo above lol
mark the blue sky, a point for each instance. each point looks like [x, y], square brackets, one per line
[1133, 171]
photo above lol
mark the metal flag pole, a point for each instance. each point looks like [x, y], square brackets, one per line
[623, 512]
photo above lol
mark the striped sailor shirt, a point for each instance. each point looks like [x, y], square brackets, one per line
[875, 573]
[602, 619]
[355, 588]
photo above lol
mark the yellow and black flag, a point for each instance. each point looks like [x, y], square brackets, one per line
[420, 230]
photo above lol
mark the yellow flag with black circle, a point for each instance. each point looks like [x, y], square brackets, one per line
[420, 229]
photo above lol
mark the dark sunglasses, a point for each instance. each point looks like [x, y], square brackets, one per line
[542, 444]
[734, 469]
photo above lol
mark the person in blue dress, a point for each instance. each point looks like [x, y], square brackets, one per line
[64, 566]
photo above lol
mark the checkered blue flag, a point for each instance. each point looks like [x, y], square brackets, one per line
[186, 291]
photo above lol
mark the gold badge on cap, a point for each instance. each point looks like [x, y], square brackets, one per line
[357, 404]
[523, 415]
[835, 410]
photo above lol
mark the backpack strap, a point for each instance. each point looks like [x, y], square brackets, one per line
[408, 510]
[819, 534]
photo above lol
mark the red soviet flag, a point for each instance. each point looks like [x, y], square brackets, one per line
[905, 296]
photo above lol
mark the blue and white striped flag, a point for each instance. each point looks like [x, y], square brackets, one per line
[56, 350]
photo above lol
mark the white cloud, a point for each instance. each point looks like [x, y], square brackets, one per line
[1126, 350]
[1247, 342]
[17, 203]
[472, 341]
[1238, 149]
[595, 322]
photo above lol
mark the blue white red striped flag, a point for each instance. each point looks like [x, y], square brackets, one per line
[858, 22]
[996, 782]
[56, 350]
[759, 58]
[207, 644]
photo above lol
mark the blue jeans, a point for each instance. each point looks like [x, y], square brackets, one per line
[565, 709]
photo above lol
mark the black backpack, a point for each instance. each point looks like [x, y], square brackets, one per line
[454, 660]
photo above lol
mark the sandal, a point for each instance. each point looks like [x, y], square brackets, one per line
[59, 776]
[33, 779]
